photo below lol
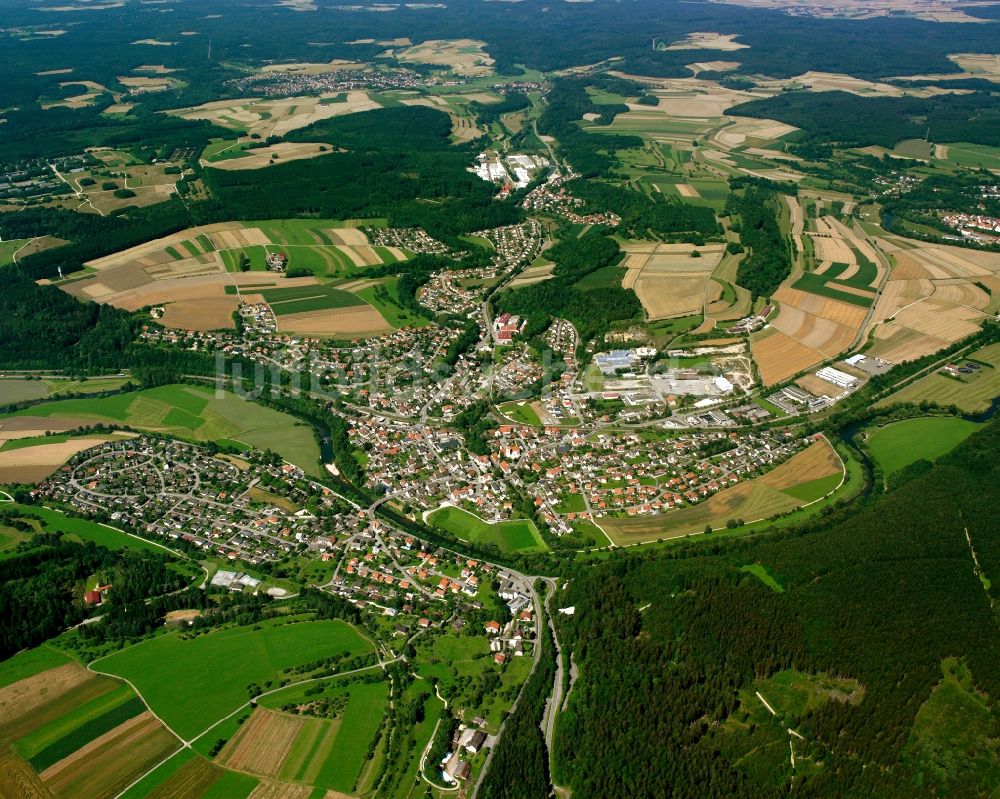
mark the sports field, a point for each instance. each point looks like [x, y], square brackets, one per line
[511, 536]
[899, 444]
[521, 412]
[193, 683]
[805, 477]
[192, 412]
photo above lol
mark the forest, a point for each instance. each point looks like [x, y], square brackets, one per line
[590, 155]
[593, 310]
[850, 120]
[643, 216]
[676, 642]
[768, 262]
[42, 587]
[395, 162]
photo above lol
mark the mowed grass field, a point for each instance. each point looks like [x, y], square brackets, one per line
[194, 412]
[193, 683]
[970, 393]
[299, 299]
[83, 529]
[899, 444]
[330, 754]
[512, 536]
[806, 477]
[66, 732]
[521, 412]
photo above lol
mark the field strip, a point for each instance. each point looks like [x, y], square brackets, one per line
[249, 703]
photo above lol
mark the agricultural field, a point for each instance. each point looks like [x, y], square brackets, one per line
[32, 460]
[671, 280]
[934, 297]
[8, 248]
[68, 732]
[186, 774]
[899, 444]
[806, 477]
[190, 412]
[193, 683]
[464, 57]
[509, 536]
[14, 389]
[240, 156]
[276, 117]
[325, 753]
[972, 394]
[820, 312]
[196, 274]
[974, 156]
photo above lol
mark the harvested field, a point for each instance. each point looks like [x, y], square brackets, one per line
[24, 696]
[816, 461]
[972, 394]
[283, 152]
[708, 41]
[210, 313]
[107, 764]
[779, 356]
[351, 322]
[194, 778]
[34, 464]
[687, 190]
[827, 326]
[18, 780]
[281, 790]
[309, 68]
[465, 57]
[269, 117]
[534, 274]
[30, 426]
[667, 278]
[262, 743]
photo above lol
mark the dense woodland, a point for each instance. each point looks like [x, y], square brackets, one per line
[42, 588]
[644, 216]
[592, 309]
[854, 121]
[394, 162]
[565, 105]
[881, 596]
[768, 261]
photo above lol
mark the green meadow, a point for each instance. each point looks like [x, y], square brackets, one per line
[193, 682]
[84, 529]
[196, 413]
[899, 444]
[328, 754]
[519, 535]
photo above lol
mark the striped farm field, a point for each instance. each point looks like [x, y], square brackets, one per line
[263, 743]
[326, 753]
[300, 299]
[68, 733]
